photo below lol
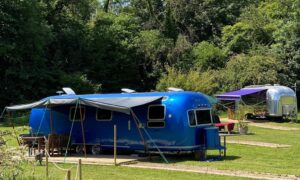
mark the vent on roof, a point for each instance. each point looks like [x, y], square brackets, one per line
[126, 90]
[59, 92]
[68, 91]
[175, 89]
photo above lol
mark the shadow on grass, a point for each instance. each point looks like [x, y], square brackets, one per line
[272, 119]
[188, 158]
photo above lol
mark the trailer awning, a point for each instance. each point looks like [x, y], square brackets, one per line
[236, 95]
[119, 104]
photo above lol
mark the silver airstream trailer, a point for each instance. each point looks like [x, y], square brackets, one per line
[281, 101]
[273, 101]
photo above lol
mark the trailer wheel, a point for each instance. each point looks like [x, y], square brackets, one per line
[200, 155]
[96, 149]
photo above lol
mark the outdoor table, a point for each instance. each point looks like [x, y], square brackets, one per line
[33, 139]
[227, 126]
[224, 139]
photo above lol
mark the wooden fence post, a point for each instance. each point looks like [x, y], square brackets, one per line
[80, 171]
[69, 175]
[47, 156]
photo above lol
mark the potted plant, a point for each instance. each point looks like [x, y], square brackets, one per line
[243, 127]
[243, 124]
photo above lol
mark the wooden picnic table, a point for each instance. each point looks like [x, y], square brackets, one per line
[31, 140]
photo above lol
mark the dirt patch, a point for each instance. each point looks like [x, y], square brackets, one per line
[95, 159]
[265, 125]
[207, 170]
[257, 143]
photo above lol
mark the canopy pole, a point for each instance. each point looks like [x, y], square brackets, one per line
[13, 126]
[115, 145]
[82, 130]
[3, 112]
[71, 130]
[160, 152]
[10, 116]
[135, 119]
[51, 121]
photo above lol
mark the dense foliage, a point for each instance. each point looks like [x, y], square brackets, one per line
[11, 158]
[202, 45]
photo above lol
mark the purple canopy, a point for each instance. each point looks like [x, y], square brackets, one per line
[236, 95]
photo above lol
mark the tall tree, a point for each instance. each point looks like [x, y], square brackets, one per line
[24, 36]
[111, 52]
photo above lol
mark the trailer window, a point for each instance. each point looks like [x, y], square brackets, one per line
[192, 117]
[287, 100]
[156, 112]
[103, 115]
[203, 116]
[76, 113]
[156, 116]
[156, 124]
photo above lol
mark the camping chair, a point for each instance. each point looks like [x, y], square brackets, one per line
[53, 140]
[63, 143]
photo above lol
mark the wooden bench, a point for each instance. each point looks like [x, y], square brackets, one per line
[57, 143]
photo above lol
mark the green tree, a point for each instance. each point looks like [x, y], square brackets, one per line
[112, 54]
[255, 68]
[69, 21]
[204, 19]
[24, 36]
[169, 27]
[152, 49]
[208, 56]
[181, 55]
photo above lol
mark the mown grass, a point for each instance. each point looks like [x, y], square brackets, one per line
[258, 159]
[239, 157]
[35, 171]
[112, 172]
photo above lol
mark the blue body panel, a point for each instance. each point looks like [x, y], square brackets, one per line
[177, 135]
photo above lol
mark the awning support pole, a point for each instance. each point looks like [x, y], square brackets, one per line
[136, 121]
[3, 112]
[115, 145]
[160, 152]
[51, 121]
[13, 126]
[71, 129]
[82, 130]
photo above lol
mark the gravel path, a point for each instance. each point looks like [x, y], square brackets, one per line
[207, 170]
[265, 125]
[258, 143]
[172, 167]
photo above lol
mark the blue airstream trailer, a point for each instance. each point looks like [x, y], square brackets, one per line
[164, 121]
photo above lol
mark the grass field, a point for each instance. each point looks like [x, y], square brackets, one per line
[260, 159]
[239, 157]
[112, 172]
[102, 172]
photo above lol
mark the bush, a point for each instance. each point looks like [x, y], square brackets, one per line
[193, 80]
[208, 56]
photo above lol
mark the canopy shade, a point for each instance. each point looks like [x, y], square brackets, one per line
[119, 104]
[236, 95]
